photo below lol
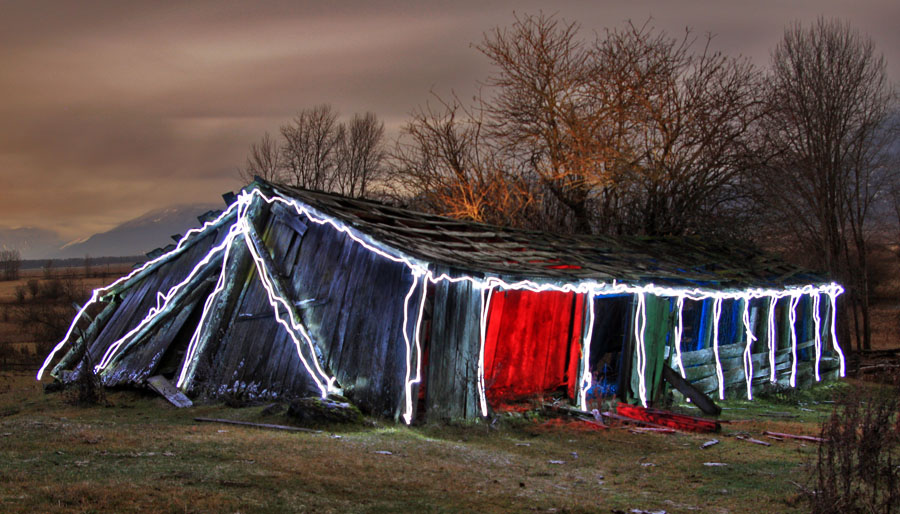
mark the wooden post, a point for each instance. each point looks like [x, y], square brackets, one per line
[281, 289]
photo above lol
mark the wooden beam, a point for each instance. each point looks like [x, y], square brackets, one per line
[86, 338]
[258, 425]
[136, 279]
[186, 294]
[281, 289]
[701, 400]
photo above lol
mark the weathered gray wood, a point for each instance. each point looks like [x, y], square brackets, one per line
[281, 289]
[186, 294]
[452, 391]
[222, 308]
[698, 397]
[170, 392]
[152, 268]
[93, 329]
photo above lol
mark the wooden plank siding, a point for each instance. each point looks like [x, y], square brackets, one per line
[350, 300]
[137, 301]
[452, 390]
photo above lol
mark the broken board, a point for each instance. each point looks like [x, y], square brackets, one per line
[170, 392]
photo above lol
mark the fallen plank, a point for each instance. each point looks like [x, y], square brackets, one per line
[170, 392]
[613, 415]
[698, 397]
[258, 425]
[752, 440]
[655, 430]
[668, 419]
[709, 443]
[582, 415]
[794, 436]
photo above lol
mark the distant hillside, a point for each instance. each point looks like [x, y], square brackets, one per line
[139, 235]
[32, 243]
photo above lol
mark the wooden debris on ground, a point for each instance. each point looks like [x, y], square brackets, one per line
[707, 444]
[257, 425]
[170, 392]
[810, 438]
[668, 419]
[752, 440]
[698, 397]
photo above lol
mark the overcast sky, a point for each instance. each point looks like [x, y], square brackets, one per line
[110, 109]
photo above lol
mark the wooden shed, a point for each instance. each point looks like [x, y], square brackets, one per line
[290, 292]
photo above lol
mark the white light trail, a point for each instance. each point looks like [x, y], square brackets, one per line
[640, 327]
[585, 385]
[419, 268]
[792, 320]
[679, 331]
[817, 323]
[717, 313]
[773, 344]
[748, 355]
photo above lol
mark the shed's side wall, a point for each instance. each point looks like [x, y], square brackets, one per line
[452, 391]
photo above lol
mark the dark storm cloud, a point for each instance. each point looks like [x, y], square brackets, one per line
[110, 109]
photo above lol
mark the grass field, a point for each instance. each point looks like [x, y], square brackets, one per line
[141, 454]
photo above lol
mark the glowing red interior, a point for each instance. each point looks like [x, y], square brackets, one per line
[532, 344]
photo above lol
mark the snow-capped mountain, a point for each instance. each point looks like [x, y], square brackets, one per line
[139, 235]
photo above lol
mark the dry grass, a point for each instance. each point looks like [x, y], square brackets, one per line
[140, 454]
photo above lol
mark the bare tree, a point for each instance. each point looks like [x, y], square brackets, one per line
[360, 155]
[445, 163]
[308, 149]
[633, 132]
[823, 136]
[264, 161]
[316, 151]
[10, 262]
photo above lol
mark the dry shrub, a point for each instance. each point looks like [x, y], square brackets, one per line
[86, 389]
[857, 462]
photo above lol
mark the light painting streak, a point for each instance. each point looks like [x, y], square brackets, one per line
[640, 326]
[817, 324]
[408, 384]
[586, 356]
[748, 355]
[679, 331]
[419, 268]
[792, 319]
[717, 313]
[99, 293]
[771, 337]
[485, 308]
[322, 380]
[832, 295]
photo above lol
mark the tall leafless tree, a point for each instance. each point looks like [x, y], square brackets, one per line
[317, 151]
[823, 136]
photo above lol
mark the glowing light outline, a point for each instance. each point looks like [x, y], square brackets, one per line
[792, 319]
[97, 294]
[817, 324]
[408, 384]
[641, 321]
[773, 343]
[748, 354]
[485, 308]
[588, 287]
[586, 379]
[679, 332]
[832, 295]
[720, 377]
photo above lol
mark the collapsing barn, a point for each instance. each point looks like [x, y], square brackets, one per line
[290, 292]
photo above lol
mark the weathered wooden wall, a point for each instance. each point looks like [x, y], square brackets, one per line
[351, 301]
[452, 390]
[134, 304]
